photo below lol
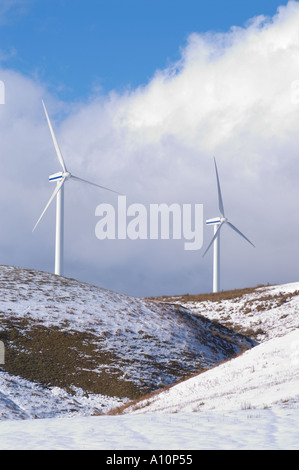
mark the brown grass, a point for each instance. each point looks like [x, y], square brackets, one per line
[213, 297]
[66, 359]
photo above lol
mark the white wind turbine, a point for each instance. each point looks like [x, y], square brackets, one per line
[218, 223]
[60, 178]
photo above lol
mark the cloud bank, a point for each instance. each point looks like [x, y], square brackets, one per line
[233, 95]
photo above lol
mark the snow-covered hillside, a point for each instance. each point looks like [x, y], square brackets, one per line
[263, 377]
[71, 347]
[251, 402]
[262, 312]
[242, 394]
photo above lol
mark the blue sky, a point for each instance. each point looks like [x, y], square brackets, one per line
[152, 136]
[76, 46]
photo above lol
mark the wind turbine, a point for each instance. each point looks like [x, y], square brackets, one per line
[60, 178]
[218, 223]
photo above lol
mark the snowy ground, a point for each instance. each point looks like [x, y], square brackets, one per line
[22, 399]
[270, 429]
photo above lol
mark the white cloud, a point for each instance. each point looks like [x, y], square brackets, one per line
[232, 95]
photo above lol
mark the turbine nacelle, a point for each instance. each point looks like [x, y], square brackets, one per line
[59, 176]
[214, 221]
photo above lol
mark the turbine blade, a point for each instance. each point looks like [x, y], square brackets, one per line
[59, 155]
[240, 233]
[58, 186]
[213, 239]
[76, 178]
[220, 202]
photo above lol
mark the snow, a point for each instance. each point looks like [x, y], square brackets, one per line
[22, 399]
[265, 311]
[248, 402]
[146, 335]
[271, 429]
[262, 377]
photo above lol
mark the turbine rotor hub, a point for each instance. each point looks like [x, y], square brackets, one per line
[66, 175]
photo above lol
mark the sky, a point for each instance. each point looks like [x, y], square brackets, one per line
[142, 95]
[75, 47]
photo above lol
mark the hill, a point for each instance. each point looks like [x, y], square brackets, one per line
[262, 312]
[262, 377]
[71, 347]
[247, 401]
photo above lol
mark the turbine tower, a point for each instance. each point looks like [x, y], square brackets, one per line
[218, 223]
[60, 178]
